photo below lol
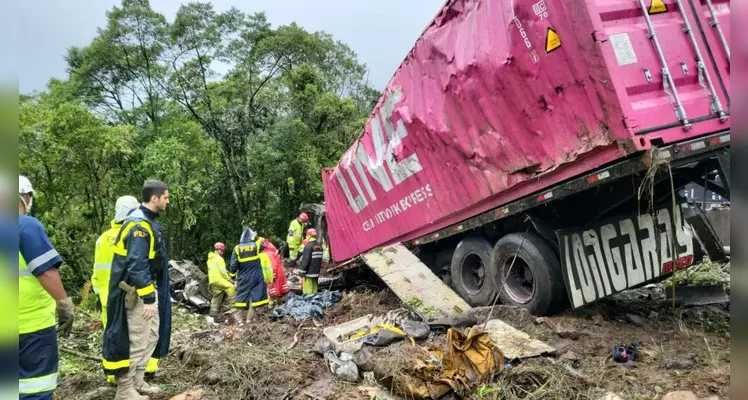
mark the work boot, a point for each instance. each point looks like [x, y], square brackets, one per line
[240, 314]
[250, 314]
[141, 385]
[126, 390]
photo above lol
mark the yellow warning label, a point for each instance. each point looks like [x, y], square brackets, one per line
[657, 7]
[552, 41]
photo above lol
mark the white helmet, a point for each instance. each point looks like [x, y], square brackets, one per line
[123, 206]
[24, 187]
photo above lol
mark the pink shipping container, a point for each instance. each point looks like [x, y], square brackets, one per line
[500, 99]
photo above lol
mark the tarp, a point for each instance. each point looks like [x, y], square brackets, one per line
[498, 100]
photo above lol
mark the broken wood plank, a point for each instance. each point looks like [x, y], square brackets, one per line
[410, 279]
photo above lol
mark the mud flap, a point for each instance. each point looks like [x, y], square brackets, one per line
[414, 283]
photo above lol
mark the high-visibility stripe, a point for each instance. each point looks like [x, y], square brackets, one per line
[152, 365]
[37, 385]
[146, 290]
[232, 274]
[103, 266]
[312, 275]
[248, 258]
[260, 303]
[24, 272]
[115, 365]
[119, 247]
[37, 262]
[240, 304]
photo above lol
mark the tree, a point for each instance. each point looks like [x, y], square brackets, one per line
[237, 116]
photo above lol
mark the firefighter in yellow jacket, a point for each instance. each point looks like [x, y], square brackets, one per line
[295, 235]
[222, 289]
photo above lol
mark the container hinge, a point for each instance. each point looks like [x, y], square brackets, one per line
[705, 81]
[715, 24]
[667, 79]
[598, 36]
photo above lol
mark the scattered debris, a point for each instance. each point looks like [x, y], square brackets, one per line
[273, 359]
[409, 278]
[189, 285]
[306, 307]
[699, 295]
[622, 353]
[342, 366]
[514, 343]
[466, 361]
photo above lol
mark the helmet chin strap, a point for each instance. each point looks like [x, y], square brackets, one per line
[27, 205]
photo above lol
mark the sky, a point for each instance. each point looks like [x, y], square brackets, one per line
[381, 32]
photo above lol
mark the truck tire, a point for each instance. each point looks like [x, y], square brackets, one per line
[535, 282]
[469, 271]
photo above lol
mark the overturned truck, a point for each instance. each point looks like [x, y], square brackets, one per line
[536, 150]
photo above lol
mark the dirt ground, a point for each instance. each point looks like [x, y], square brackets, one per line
[681, 349]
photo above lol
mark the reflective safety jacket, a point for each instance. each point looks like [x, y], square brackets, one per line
[245, 257]
[295, 233]
[102, 269]
[140, 260]
[311, 260]
[217, 268]
[36, 255]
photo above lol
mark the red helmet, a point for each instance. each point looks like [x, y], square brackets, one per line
[311, 232]
[303, 217]
[219, 246]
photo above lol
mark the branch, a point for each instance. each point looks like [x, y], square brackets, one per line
[79, 354]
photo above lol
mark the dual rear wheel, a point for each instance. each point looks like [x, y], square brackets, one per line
[528, 269]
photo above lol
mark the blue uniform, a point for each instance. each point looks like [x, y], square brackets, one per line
[140, 260]
[246, 266]
[37, 333]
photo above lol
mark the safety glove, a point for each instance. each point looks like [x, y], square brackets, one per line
[65, 316]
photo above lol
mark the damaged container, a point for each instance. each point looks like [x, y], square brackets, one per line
[501, 99]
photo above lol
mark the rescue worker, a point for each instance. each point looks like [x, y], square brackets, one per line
[139, 303]
[40, 293]
[104, 253]
[278, 286]
[311, 263]
[295, 234]
[220, 286]
[246, 266]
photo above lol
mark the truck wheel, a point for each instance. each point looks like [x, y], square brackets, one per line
[535, 281]
[469, 271]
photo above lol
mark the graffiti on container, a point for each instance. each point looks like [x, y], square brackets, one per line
[609, 256]
[360, 168]
[414, 198]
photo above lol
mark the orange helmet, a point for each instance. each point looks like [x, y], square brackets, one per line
[219, 246]
[311, 232]
[303, 217]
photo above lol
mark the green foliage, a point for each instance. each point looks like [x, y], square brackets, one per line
[237, 116]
